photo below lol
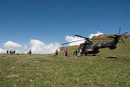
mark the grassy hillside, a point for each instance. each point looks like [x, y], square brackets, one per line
[51, 71]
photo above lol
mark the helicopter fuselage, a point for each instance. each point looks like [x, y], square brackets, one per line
[93, 48]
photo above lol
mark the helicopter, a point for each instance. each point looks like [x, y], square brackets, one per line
[88, 47]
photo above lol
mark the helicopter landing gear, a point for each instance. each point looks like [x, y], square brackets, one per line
[85, 54]
[94, 54]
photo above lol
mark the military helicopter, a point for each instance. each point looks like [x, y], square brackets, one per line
[88, 47]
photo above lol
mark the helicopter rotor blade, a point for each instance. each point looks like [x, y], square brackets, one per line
[80, 36]
[122, 40]
[64, 43]
[83, 37]
[119, 30]
[124, 33]
[71, 42]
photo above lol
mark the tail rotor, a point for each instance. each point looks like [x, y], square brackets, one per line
[118, 36]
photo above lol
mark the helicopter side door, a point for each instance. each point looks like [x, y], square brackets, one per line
[89, 47]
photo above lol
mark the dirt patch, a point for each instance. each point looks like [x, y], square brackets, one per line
[10, 76]
[12, 67]
[111, 57]
[36, 61]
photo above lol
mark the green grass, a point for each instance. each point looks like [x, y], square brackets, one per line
[50, 71]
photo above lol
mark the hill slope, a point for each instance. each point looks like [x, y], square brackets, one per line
[60, 71]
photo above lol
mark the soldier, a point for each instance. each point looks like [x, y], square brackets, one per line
[73, 52]
[10, 52]
[76, 53]
[65, 52]
[80, 52]
[7, 52]
[14, 52]
[57, 52]
[30, 51]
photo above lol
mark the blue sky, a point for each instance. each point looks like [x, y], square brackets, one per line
[51, 20]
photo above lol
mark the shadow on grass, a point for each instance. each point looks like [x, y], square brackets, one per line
[113, 57]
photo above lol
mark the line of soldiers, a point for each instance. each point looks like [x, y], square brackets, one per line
[11, 52]
[75, 52]
[65, 52]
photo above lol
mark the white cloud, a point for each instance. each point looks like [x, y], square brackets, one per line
[11, 44]
[23, 50]
[39, 47]
[25, 47]
[2, 50]
[98, 33]
[71, 39]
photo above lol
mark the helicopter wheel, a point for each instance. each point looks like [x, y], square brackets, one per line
[85, 54]
[94, 54]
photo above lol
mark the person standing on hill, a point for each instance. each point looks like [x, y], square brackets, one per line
[10, 52]
[73, 52]
[57, 52]
[80, 52]
[14, 52]
[65, 52]
[30, 51]
[76, 53]
[7, 52]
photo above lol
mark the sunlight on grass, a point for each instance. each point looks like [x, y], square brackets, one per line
[51, 71]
